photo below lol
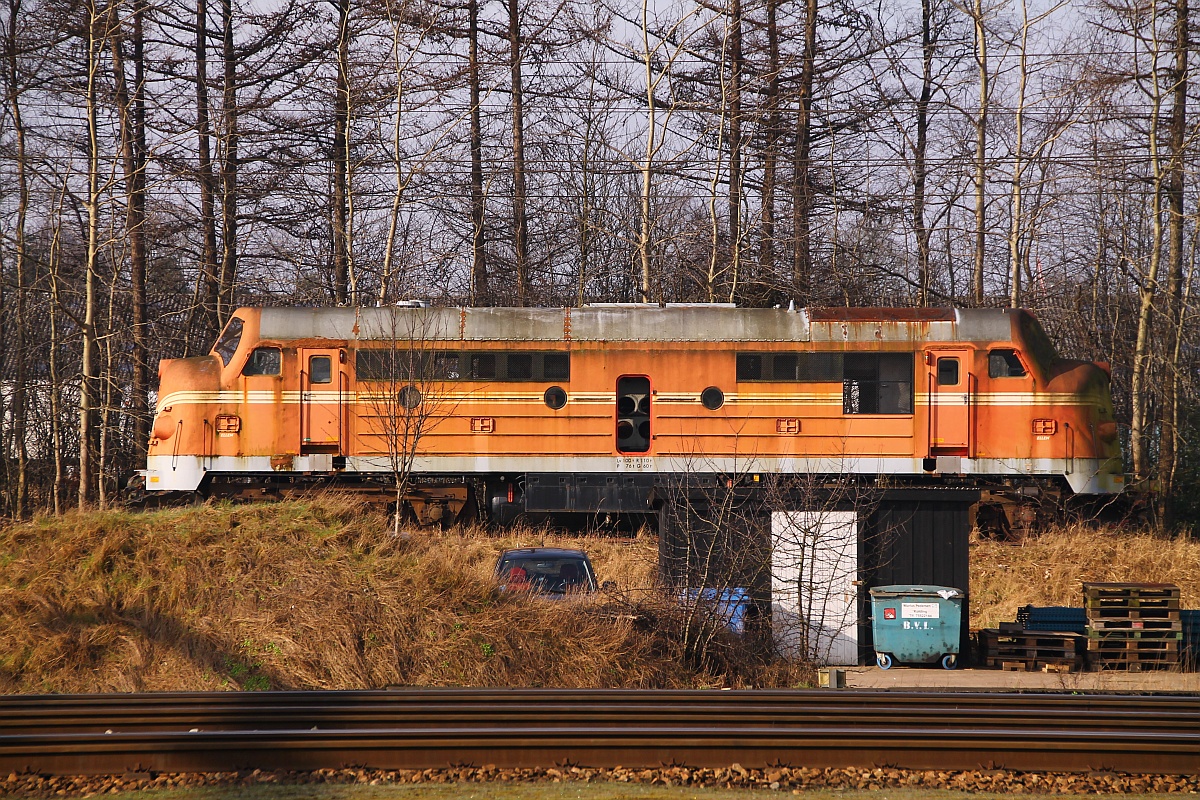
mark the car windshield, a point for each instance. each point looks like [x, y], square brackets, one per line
[556, 575]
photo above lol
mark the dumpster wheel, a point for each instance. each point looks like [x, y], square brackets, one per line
[949, 661]
[883, 660]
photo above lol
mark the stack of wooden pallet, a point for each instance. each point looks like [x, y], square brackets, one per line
[1011, 648]
[1132, 626]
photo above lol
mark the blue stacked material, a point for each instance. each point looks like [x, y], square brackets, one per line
[729, 605]
[1191, 636]
[1053, 618]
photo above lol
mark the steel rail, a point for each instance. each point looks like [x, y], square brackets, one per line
[357, 709]
[418, 729]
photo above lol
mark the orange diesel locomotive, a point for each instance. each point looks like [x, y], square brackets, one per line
[588, 409]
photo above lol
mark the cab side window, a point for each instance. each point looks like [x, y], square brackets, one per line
[264, 361]
[1005, 364]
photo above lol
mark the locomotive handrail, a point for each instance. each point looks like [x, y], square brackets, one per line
[930, 406]
[1070, 436]
[341, 399]
[303, 401]
[207, 445]
[175, 446]
[972, 412]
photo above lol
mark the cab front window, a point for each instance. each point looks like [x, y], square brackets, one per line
[1005, 364]
[227, 343]
[264, 361]
[1037, 345]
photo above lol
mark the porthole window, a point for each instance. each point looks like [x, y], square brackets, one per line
[409, 397]
[712, 398]
[555, 397]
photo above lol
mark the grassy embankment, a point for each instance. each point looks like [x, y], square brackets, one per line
[1048, 569]
[317, 594]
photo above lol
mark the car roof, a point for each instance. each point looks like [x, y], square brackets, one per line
[547, 552]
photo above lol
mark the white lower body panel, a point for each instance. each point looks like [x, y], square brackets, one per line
[185, 473]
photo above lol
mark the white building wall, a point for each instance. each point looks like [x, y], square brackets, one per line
[814, 566]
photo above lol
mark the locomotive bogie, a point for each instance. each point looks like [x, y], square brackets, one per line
[920, 395]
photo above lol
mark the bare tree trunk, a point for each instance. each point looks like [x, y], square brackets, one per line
[389, 246]
[341, 114]
[981, 128]
[56, 419]
[87, 367]
[647, 165]
[19, 402]
[766, 248]
[520, 233]
[478, 242]
[1174, 191]
[58, 488]
[479, 275]
[229, 169]
[132, 115]
[736, 66]
[920, 170]
[1017, 193]
[210, 279]
[802, 190]
[1140, 423]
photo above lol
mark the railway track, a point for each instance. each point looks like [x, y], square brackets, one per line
[421, 729]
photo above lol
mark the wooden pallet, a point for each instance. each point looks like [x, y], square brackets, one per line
[1117, 637]
[1128, 645]
[1132, 655]
[1131, 601]
[1029, 650]
[1169, 623]
[1034, 664]
[1107, 665]
[1130, 591]
[1104, 609]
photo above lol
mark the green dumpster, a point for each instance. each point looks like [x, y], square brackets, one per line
[916, 624]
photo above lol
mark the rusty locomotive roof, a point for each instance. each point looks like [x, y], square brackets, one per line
[639, 323]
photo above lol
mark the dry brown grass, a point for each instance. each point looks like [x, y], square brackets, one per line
[310, 594]
[318, 594]
[1050, 568]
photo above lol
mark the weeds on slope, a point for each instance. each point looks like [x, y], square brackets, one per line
[1049, 568]
[314, 594]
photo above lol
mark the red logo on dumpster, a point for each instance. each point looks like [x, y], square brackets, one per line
[889, 613]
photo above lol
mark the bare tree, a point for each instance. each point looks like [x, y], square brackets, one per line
[407, 399]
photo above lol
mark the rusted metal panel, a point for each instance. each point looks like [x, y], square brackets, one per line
[985, 324]
[881, 314]
[637, 323]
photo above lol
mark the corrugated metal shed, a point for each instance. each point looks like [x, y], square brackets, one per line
[916, 536]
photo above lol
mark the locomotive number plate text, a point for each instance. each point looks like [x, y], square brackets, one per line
[635, 463]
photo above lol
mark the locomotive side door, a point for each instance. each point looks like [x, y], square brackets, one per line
[321, 382]
[950, 401]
